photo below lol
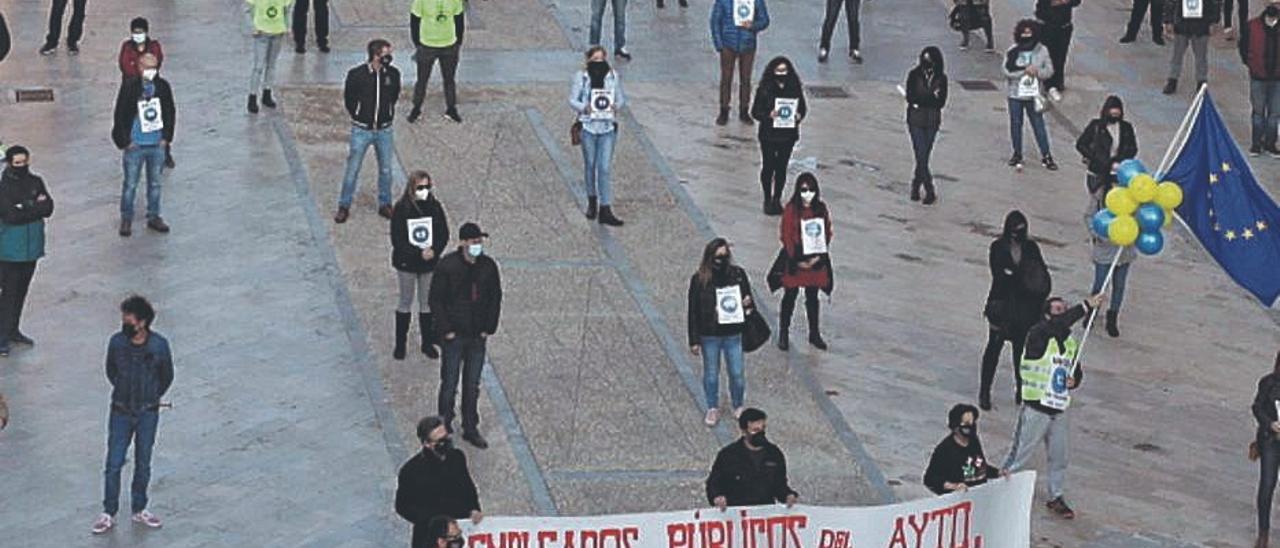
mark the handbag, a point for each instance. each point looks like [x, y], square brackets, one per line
[575, 133]
[756, 332]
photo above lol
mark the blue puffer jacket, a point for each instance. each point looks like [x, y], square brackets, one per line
[724, 34]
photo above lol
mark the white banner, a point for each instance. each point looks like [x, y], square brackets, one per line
[996, 515]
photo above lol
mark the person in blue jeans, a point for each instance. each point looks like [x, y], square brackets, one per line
[619, 25]
[144, 120]
[370, 93]
[140, 370]
[599, 130]
[1027, 65]
[719, 300]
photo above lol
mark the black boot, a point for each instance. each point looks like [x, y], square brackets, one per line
[1170, 86]
[267, 101]
[723, 118]
[592, 205]
[607, 218]
[427, 329]
[784, 338]
[784, 321]
[1112, 329]
[402, 333]
[253, 104]
[815, 331]
[930, 194]
[744, 116]
[915, 191]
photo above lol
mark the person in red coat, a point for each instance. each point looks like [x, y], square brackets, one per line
[803, 262]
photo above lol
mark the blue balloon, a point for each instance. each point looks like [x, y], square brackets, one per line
[1150, 217]
[1101, 220]
[1150, 243]
[1128, 170]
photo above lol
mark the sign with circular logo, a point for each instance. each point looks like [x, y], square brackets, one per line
[784, 112]
[1059, 381]
[150, 114]
[602, 102]
[813, 230]
[421, 234]
[729, 304]
[272, 12]
[744, 11]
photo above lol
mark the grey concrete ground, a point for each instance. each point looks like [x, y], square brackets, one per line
[281, 319]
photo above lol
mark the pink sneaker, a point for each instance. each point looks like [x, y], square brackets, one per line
[713, 417]
[147, 518]
[104, 524]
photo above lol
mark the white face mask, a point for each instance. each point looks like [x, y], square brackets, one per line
[475, 249]
[149, 74]
[422, 194]
[139, 37]
[808, 196]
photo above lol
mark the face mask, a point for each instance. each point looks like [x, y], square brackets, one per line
[443, 446]
[720, 262]
[1026, 40]
[758, 440]
[129, 330]
[149, 74]
[1271, 19]
[1020, 234]
[808, 196]
[422, 194]
[1114, 118]
[598, 67]
[967, 430]
[475, 249]
[21, 171]
[386, 60]
[139, 37]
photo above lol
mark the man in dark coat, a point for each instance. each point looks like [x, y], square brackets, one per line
[1020, 283]
[434, 483]
[1193, 29]
[24, 205]
[144, 121]
[750, 471]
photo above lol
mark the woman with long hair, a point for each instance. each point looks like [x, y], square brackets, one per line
[719, 301]
[595, 97]
[804, 262]
[419, 235]
[779, 106]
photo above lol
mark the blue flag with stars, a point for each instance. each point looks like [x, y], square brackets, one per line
[1226, 208]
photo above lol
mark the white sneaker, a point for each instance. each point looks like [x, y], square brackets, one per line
[737, 412]
[147, 518]
[713, 417]
[1055, 95]
[104, 524]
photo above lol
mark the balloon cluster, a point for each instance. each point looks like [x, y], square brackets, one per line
[1137, 209]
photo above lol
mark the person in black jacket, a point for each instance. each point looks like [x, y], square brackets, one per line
[145, 115]
[1020, 283]
[1193, 31]
[1139, 9]
[719, 300]
[24, 205]
[1055, 34]
[466, 297]
[1104, 143]
[75, 30]
[435, 483]
[1266, 410]
[419, 236]
[779, 106]
[926, 97]
[958, 461]
[751, 471]
[300, 9]
[370, 95]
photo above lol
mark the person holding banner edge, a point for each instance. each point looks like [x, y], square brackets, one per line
[751, 471]
[958, 461]
[1266, 410]
[419, 237]
[1049, 373]
[435, 484]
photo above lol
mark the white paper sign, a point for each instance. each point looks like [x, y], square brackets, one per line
[420, 232]
[1057, 395]
[787, 109]
[149, 115]
[1028, 87]
[601, 104]
[729, 305]
[813, 236]
[744, 12]
[1192, 9]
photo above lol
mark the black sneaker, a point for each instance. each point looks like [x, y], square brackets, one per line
[4, 348]
[299, 48]
[1158, 39]
[1128, 39]
[48, 49]
[1170, 86]
[474, 438]
[452, 116]
[723, 117]
[1273, 152]
[624, 54]
[19, 338]
[822, 55]
[267, 100]
[1015, 160]
[253, 104]
[1059, 506]
[856, 56]
[1255, 151]
[1048, 163]
[73, 49]
[324, 48]
[414, 115]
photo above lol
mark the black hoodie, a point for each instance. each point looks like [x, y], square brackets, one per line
[1095, 143]
[927, 90]
[1018, 287]
[768, 90]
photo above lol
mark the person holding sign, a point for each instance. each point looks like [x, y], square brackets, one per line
[1049, 372]
[595, 97]
[1191, 22]
[958, 461]
[1266, 410]
[1026, 64]
[144, 120]
[805, 233]
[734, 26]
[926, 96]
[419, 236]
[719, 300]
[779, 106]
[269, 20]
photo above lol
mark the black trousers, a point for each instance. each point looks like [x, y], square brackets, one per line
[15, 279]
[775, 156]
[1140, 9]
[426, 58]
[851, 9]
[1269, 451]
[1058, 41]
[789, 308]
[74, 31]
[300, 8]
[991, 358]
[463, 360]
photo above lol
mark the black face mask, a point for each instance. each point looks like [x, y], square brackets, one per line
[758, 440]
[443, 446]
[1019, 234]
[967, 430]
[720, 262]
[21, 171]
[1113, 119]
[129, 330]
[386, 60]
[600, 68]
[1026, 40]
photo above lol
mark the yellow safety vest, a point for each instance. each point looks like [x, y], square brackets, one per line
[1044, 379]
[268, 15]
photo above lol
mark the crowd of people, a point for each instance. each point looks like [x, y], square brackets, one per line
[458, 289]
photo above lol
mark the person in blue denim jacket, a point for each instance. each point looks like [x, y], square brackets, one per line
[596, 112]
[736, 44]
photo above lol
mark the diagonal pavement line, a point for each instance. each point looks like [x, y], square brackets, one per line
[542, 500]
[362, 358]
[622, 265]
[832, 413]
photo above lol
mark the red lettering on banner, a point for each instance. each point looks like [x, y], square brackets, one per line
[830, 538]
[678, 535]
[545, 536]
[954, 527]
[899, 535]
[633, 533]
[919, 530]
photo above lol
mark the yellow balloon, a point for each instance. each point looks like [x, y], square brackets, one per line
[1120, 201]
[1169, 195]
[1123, 231]
[1142, 188]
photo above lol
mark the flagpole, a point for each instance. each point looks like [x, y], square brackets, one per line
[1088, 326]
[1180, 138]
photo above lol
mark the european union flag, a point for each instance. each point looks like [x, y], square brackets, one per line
[1231, 215]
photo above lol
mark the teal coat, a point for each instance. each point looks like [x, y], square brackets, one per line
[22, 216]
